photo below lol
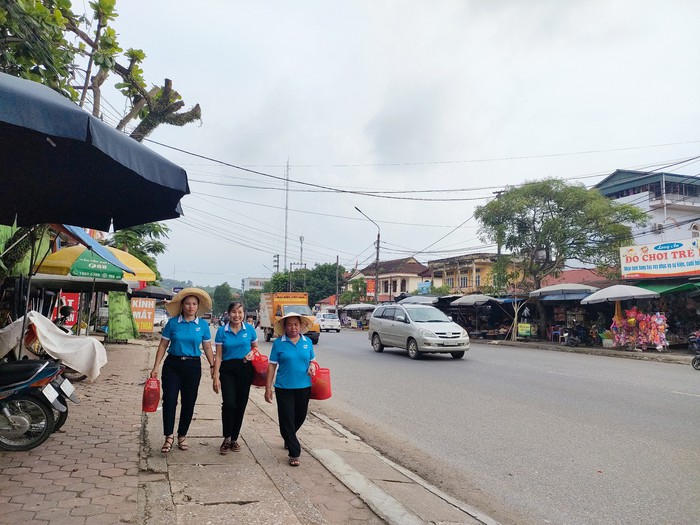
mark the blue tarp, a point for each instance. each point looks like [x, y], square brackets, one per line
[564, 297]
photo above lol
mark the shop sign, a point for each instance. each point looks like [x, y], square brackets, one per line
[524, 329]
[143, 310]
[666, 259]
[370, 286]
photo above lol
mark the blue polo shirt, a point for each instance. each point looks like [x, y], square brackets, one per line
[235, 345]
[293, 362]
[186, 336]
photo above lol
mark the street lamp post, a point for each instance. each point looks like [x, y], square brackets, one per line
[376, 262]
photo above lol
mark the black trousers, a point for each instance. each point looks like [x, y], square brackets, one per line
[236, 378]
[292, 406]
[180, 377]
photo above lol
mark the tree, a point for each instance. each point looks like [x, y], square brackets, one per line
[321, 281]
[357, 292]
[37, 42]
[545, 223]
[143, 242]
[251, 300]
[221, 298]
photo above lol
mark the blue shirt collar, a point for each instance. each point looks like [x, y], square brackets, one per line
[285, 338]
[226, 327]
[181, 319]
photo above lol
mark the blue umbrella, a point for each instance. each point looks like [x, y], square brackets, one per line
[59, 164]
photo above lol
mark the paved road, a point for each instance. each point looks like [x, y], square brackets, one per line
[530, 436]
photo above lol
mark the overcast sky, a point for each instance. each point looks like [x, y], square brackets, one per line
[464, 97]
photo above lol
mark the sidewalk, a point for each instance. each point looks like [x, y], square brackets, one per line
[340, 481]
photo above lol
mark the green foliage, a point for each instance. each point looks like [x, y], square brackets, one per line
[356, 294]
[251, 300]
[501, 277]
[143, 242]
[221, 298]
[547, 222]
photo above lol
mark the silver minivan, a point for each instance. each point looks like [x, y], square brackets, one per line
[417, 328]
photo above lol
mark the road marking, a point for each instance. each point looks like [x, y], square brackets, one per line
[684, 393]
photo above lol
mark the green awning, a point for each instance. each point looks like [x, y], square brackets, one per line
[665, 288]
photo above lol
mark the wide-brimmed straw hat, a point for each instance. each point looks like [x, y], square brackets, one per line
[174, 307]
[279, 324]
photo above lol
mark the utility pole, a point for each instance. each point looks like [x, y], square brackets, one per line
[276, 262]
[286, 215]
[376, 262]
[336, 283]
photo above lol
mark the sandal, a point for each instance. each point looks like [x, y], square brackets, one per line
[167, 445]
[182, 443]
[225, 447]
[235, 446]
[294, 462]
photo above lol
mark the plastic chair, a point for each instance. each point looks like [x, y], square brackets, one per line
[557, 332]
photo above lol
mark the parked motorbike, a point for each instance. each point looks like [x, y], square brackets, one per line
[28, 400]
[694, 346]
[577, 335]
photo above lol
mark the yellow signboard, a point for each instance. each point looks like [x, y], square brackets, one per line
[143, 310]
[524, 329]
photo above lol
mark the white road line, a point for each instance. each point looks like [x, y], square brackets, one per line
[684, 393]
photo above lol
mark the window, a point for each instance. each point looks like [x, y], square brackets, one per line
[477, 280]
[394, 286]
[695, 230]
[463, 281]
[386, 286]
[403, 285]
[450, 281]
[389, 313]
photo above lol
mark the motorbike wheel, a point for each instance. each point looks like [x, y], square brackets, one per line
[73, 375]
[31, 422]
[571, 342]
[696, 362]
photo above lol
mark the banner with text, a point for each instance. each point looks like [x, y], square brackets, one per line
[666, 259]
[143, 310]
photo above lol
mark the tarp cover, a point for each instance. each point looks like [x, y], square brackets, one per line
[81, 353]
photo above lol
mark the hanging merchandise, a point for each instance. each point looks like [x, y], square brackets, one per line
[637, 331]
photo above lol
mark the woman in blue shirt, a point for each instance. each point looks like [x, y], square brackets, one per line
[233, 373]
[291, 358]
[182, 370]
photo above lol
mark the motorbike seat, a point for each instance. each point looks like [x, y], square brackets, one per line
[18, 372]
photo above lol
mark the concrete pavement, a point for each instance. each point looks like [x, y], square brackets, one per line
[106, 465]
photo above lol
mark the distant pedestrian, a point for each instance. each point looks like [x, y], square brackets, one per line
[182, 337]
[233, 373]
[291, 358]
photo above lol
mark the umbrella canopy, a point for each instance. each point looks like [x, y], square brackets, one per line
[154, 292]
[419, 299]
[476, 299]
[564, 297]
[71, 283]
[358, 306]
[59, 164]
[619, 292]
[564, 288]
[81, 262]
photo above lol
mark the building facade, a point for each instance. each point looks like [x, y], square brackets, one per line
[672, 202]
[464, 274]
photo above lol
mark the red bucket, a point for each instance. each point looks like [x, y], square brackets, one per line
[321, 383]
[260, 363]
[151, 395]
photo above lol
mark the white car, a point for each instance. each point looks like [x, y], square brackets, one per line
[160, 317]
[328, 322]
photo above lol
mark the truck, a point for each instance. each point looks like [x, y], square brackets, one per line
[277, 304]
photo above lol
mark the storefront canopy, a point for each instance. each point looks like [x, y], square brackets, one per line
[666, 288]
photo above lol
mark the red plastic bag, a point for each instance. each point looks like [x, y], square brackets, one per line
[151, 395]
[260, 363]
[321, 382]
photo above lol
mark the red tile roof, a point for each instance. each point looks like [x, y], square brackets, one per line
[578, 276]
